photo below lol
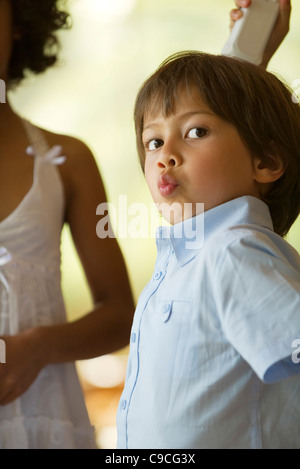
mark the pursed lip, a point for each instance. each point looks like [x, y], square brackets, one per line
[167, 184]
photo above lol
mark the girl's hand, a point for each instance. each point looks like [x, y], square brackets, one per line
[24, 357]
[280, 30]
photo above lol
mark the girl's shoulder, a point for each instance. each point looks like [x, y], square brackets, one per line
[80, 168]
[77, 152]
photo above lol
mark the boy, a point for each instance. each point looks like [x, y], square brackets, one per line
[213, 360]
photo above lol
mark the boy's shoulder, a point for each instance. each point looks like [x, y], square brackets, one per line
[252, 241]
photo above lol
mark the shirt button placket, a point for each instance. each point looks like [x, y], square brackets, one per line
[123, 404]
[133, 338]
[157, 275]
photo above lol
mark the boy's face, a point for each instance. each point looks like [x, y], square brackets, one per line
[6, 33]
[193, 156]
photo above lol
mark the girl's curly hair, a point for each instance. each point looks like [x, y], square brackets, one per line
[37, 47]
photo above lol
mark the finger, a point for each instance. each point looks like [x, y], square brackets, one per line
[243, 3]
[9, 394]
[235, 15]
[5, 397]
[8, 399]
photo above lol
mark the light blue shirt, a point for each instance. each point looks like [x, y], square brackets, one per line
[210, 362]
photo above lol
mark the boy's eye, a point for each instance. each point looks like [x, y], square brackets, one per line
[197, 132]
[154, 144]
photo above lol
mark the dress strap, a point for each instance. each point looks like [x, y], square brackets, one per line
[39, 145]
[36, 138]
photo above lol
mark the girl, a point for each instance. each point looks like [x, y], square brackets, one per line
[55, 182]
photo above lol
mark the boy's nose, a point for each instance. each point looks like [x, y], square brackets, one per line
[168, 158]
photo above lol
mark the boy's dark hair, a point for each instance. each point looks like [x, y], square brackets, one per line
[37, 46]
[255, 101]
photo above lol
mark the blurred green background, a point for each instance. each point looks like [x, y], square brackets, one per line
[112, 47]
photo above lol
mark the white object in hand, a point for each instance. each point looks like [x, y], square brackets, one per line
[250, 34]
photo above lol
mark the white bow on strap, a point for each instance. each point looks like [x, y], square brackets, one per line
[53, 155]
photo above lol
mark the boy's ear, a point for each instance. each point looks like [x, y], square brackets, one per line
[269, 170]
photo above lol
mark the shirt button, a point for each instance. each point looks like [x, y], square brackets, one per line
[167, 308]
[157, 275]
[123, 405]
[133, 337]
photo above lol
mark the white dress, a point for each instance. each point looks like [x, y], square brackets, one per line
[52, 413]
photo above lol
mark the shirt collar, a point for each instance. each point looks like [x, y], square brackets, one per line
[188, 237]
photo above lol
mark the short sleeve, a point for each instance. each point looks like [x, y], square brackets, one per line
[257, 291]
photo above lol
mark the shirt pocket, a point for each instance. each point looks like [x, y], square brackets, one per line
[177, 311]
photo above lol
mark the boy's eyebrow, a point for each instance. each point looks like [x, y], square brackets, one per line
[185, 114]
